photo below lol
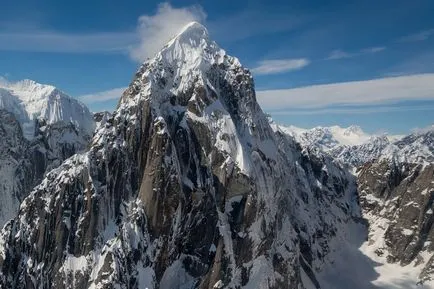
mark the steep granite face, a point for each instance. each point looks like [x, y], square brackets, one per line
[40, 128]
[185, 186]
[398, 199]
[12, 146]
[24, 163]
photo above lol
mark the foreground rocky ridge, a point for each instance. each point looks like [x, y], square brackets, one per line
[186, 185]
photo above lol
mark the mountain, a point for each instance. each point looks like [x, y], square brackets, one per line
[352, 146]
[327, 138]
[30, 101]
[186, 186]
[39, 127]
[397, 196]
[396, 193]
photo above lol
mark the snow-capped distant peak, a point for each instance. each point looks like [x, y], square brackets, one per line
[327, 138]
[28, 85]
[30, 101]
[352, 135]
[353, 146]
[353, 130]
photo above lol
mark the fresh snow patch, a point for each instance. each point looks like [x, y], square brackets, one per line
[407, 232]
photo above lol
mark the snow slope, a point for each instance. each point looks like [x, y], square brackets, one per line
[328, 137]
[30, 101]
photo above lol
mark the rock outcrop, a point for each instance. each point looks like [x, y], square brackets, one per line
[23, 162]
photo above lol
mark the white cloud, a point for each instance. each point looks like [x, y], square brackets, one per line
[46, 41]
[375, 91]
[373, 49]
[155, 30]
[354, 110]
[102, 96]
[152, 32]
[340, 54]
[280, 65]
[420, 36]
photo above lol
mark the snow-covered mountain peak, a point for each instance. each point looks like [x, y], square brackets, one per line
[192, 31]
[30, 86]
[353, 130]
[31, 101]
[191, 61]
[193, 78]
[191, 49]
[352, 135]
[328, 138]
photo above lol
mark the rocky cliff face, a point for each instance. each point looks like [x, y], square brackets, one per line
[185, 186]
[397, 195]
[24, 162]
[12, 178]
[40, 127]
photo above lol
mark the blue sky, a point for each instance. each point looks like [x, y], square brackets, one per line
[91, 49]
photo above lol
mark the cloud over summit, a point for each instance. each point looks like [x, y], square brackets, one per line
[156, 30]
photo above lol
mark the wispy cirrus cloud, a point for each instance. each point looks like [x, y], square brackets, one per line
[420, 36]
[280, 65]
[354, 110]
[49, 41]
[102, 96]
[340, 54]
[373, 49]
[375, 91]
[151, 33]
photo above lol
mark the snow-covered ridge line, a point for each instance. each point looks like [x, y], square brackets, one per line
[30, 101]
[355, 147]
[352, 135]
